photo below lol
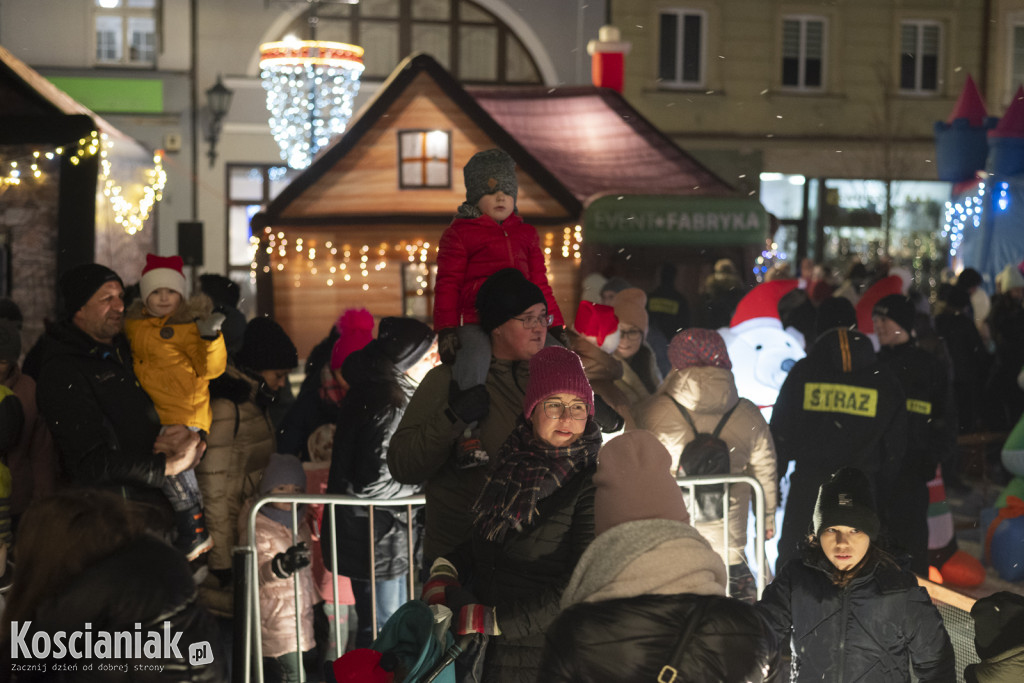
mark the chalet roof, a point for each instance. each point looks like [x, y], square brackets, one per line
[594, 142]
[27, 94]
[576, 142]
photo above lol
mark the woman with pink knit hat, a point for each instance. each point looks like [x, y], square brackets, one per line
[533, 519]
[646, 601]
[696, 397]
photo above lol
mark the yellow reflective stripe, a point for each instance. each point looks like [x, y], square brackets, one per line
[844, 349]
[840, 398]
[659, 305]
[917, 406]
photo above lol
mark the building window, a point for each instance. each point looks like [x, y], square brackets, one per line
[681, 48]
[803, 53]
[126, 32]
[424, 158]
[1016, 55]
[250, 189]
[473, 44]
[920, 46]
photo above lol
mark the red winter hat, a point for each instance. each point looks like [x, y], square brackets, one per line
[596, 321]
[162, 271]
[762, 301]
[355, 330]
[698, 347]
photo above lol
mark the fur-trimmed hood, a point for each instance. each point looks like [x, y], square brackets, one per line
[194, 308]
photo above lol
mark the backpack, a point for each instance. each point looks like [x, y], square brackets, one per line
[705, 454]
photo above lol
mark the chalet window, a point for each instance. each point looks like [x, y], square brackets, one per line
[681, 47]
[424, 158]
[250, 189]
[126, 32]
[803, 53]
[920, 48]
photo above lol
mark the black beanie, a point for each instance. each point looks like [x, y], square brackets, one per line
[79, 284]
[404, 340]
[487, 172]
[834, 311]
[221, 289]
[897, 308]
[845, 500]
[505, 295]
[998, 623]
[266, 346]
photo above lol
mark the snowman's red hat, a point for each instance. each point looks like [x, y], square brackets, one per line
[762, 304]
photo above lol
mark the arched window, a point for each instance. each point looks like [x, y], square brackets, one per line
[475, 46]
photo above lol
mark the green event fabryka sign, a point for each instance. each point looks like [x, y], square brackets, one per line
[675, 220]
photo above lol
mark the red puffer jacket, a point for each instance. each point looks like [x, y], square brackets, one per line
[473, 249]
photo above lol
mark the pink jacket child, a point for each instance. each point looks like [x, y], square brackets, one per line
[279, 559]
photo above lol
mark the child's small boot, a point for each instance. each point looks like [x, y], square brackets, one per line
[193, 538]
[469, 452]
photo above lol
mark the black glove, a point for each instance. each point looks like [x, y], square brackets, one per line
[470, 405]
[605, 416]
[448, 344]
[558, 332]
[290, 561]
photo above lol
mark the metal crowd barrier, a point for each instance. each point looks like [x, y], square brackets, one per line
[247, 648]
[690, 483]
[248, 645]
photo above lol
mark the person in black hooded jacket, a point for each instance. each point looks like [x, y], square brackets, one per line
[382, 377]
[646, 601]
[838, 406]
[851, 612]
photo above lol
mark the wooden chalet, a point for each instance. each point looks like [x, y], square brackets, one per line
[360, 226]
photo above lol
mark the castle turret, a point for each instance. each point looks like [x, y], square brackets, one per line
[961, 147]
[1006, 141]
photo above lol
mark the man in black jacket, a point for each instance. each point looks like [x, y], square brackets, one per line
[839, 407]
[103, 423]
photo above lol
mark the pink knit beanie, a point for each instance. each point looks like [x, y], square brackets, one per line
[698, 347]
[356, 329]
[634, 481]
[556, 370]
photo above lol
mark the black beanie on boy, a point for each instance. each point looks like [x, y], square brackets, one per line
[505, 295]
[845, 500]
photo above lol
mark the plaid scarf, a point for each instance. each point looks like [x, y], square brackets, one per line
[526, 471]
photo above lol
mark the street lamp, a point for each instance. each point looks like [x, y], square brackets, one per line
[218, 100]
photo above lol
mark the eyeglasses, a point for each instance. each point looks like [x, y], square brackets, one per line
[556, 409]
[633, 334]
[532, 321]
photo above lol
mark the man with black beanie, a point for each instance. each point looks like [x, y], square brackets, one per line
[513, 312]
[103, 423]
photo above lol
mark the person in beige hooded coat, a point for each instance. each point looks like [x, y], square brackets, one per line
[702, 382]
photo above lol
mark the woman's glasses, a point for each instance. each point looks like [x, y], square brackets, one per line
[532, 321]
[632, 334]
[556, 409]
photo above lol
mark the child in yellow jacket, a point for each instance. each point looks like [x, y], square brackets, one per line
[177, 348]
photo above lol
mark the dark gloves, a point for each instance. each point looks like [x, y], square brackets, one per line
[209, 327]
[290, 561]
[469, 616]
[448, 344]
[442, 576]
[605, 416]
[558, 332]
[470, 405]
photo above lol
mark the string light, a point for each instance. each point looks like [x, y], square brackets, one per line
[130, 215]
[962, 215]
[310, 87]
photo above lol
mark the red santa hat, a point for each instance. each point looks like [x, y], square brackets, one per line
[762, 304]
[162, 271]
[893, 284]
[598, 324]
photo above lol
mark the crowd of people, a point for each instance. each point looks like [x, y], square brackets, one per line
[146, 423]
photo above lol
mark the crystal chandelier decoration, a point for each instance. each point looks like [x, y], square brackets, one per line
[311, 85]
